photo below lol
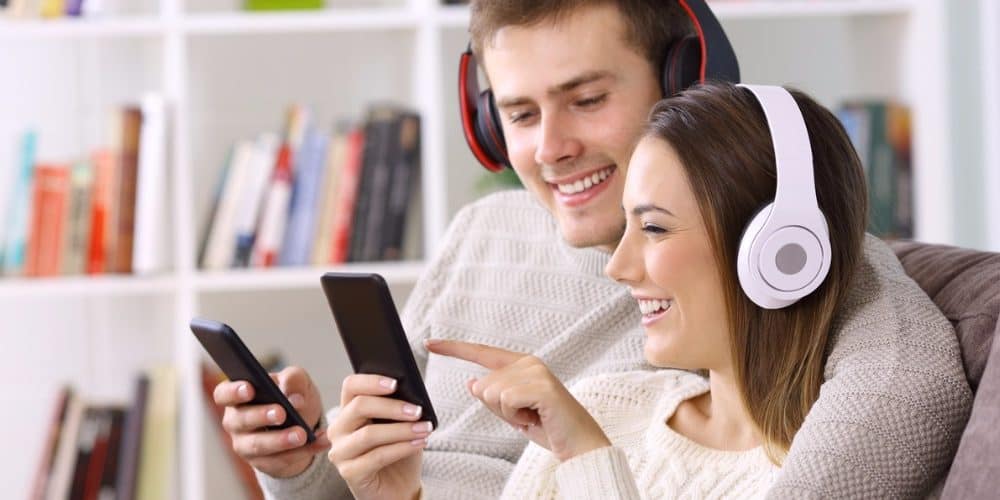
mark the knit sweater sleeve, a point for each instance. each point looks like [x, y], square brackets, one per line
[319, 480]
[891, 411]
[601, 474]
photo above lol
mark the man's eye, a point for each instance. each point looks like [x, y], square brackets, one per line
[592, 101]
[520, 116]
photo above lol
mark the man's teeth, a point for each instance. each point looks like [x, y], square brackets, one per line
[647, 306]
[585, 183]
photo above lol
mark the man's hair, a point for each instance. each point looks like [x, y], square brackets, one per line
[720, 134]
[650, 24]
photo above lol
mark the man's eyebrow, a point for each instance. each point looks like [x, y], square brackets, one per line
[583, 79]
[641, 209]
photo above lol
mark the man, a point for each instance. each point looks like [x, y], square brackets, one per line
[574, 81]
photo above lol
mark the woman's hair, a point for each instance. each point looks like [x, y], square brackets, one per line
[650, 25]
[720, 134]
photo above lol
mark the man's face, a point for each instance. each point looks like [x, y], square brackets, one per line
[573, 98]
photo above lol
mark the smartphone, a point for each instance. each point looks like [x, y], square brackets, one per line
[373, 335]
[236, 361]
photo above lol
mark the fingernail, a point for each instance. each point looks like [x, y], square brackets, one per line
[422, 427]
[387, 382]
[272, 415]
[294, 438]
[432, 341]
[411, 409]
[419, 442]
[243, 391]
[297, 400]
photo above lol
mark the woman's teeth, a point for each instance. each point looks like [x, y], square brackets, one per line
[585, 183]
[647, 306]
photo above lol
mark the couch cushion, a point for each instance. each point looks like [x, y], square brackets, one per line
[965, 285]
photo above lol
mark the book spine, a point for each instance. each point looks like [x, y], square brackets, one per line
[100, 212]
[129, 170]
[264, 152]
[222, 240]
[19, 214]
[49, 214]
[328, 197]
[150, 199]
[45, 464]
[342, 230]
[273, 219]
[405, 171]
[302, 214]
[126, 477]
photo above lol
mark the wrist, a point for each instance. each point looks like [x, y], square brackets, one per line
[587, 445]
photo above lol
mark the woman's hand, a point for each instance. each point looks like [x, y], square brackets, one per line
[522, 391]
[377, 460]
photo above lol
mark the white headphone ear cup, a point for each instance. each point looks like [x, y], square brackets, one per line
[747, 268]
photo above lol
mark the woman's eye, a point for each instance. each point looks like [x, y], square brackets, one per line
[653, 229]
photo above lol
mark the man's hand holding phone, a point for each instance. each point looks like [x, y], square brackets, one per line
[377, 460]
[278, 453]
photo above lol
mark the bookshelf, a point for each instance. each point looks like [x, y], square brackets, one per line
[228, 74]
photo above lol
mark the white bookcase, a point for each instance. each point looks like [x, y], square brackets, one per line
[228, 74]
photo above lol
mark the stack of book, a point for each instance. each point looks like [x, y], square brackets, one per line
[106, 451]
[101, 214]
[315, 198]
[880, 132]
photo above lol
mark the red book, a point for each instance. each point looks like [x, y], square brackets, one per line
[48, 215]
[100, 211]
[346, 196]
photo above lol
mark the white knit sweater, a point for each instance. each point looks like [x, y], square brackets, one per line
[647, 458]
[886, 424]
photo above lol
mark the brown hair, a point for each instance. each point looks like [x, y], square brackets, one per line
[650, 25]
[720, 134]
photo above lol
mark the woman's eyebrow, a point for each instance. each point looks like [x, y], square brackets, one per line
[648, 207]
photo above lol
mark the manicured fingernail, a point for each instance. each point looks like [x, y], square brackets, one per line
[411, 409]
[243, 391]
[387, 382]
[419, 442]
[297, 400]
[422, 427]
[272, 415]
[294, 438]
[432, 341]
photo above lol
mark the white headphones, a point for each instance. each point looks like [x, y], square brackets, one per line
[785, 250]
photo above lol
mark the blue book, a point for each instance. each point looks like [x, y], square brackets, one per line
[304, 207]
[15, 246]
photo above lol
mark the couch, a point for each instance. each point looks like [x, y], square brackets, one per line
[965, 285]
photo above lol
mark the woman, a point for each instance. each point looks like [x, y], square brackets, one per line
[703, 169]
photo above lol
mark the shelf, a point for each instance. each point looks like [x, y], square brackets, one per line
[457, 16]
[252, 280]
[125, 27]
[84, 286]
[300, 21]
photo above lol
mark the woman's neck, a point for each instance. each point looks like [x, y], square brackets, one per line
[718, 418]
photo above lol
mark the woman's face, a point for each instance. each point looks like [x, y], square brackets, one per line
[665, 257]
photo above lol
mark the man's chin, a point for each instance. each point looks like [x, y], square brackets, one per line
[587, 239]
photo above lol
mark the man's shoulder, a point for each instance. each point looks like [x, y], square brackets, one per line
[516, 201]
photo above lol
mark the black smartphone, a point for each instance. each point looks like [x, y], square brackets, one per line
[373, 335]
[236, 361]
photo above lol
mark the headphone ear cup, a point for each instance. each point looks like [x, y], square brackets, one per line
[682, 65]
[747, 270]
[489, 132]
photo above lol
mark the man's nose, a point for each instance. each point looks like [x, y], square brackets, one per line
[557, 142]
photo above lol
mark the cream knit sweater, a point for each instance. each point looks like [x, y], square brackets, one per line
[886, 424]
[647, 459]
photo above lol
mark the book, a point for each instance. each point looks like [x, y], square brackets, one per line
[131, 121]
[251, 199]
[86, 445]
[148, 255]
[104, 489]
[403, 181]
[336, 155]
[51, 189]
[51, 446]
[129, 451]
[347, 191]
[381, 124]
[220, 185]
[63, 465]
[299, 231]
[78, 212]
[159, 432]
[103, 162]
[222, 240]
[267, 246]
[19, 211]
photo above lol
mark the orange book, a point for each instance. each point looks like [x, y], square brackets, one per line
[51, 189]
[100, 208]
[346, 196]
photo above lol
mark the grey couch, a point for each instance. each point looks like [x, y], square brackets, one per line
[965, 285]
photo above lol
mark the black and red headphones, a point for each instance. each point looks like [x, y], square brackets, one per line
[706, 54]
